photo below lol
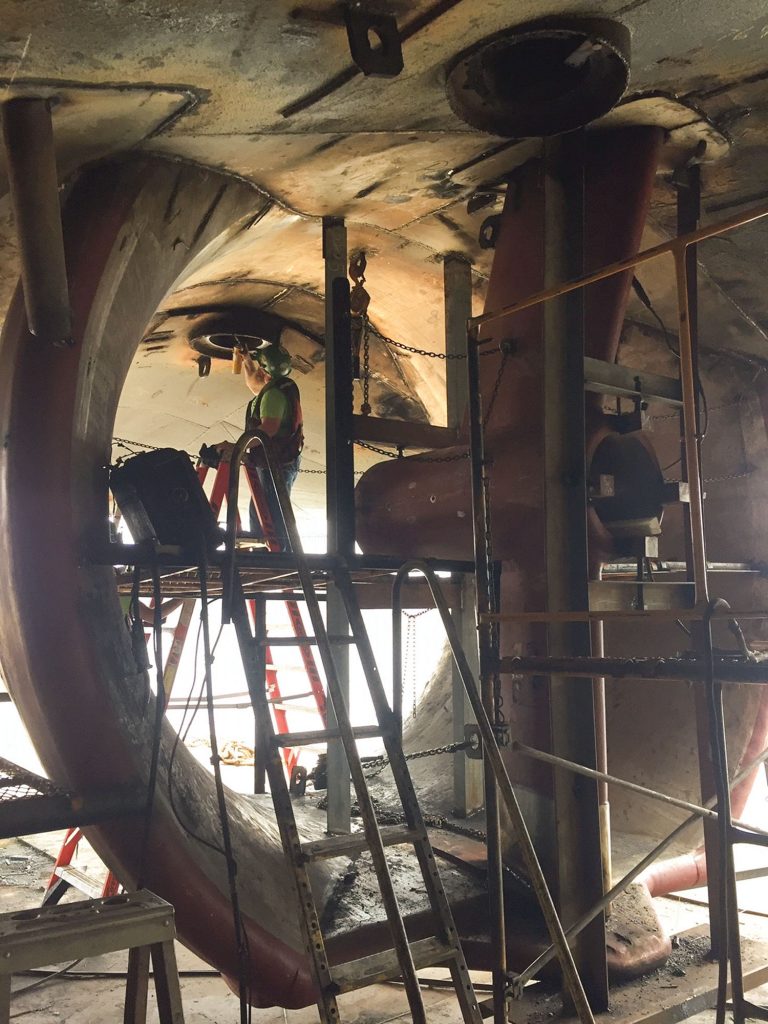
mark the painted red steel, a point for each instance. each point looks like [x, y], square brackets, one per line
[63, 654]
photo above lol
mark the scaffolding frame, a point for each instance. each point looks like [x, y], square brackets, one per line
[725, 930]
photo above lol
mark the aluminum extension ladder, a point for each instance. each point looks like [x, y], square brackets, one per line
[405, 957]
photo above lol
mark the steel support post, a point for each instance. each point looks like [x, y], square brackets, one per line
[572, 710]
[340, 486]
[467, 772]
[688, 192]
[487, 641]
[34, 185]
[457, 294]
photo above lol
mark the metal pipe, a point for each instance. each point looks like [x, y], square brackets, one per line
[601, 755]
[33, 179]
[729, 945]
[679, 243]
[605, 615]
[690, 429]
[604, 778]
[506, 791]
[230, 541]
[544, 958]
[658, 669]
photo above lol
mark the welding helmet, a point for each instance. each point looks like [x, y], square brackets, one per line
[275, 360]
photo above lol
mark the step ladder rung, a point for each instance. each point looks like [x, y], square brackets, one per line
[355, 842]
[290, 696]
[79, 880]
[385, 966]
[307, 739]
[301, 641]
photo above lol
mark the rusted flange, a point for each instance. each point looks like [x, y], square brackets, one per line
[217, 333]
[542, 78]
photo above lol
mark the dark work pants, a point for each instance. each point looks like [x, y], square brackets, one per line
[290, 472]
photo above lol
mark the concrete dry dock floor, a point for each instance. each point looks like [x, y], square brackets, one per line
[24, 871]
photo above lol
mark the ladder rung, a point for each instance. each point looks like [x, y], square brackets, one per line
[339, 846]
[290, 696]
[306, 739]
[385, 966]
[79, 880]
[301, 641]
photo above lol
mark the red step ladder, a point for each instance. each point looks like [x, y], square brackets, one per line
[275, 696]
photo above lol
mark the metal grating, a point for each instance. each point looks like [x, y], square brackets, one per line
[17, 783]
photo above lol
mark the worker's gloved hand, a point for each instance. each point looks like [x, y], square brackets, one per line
[212, 454]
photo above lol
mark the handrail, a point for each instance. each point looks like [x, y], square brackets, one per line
[494, 760]
[242, 445]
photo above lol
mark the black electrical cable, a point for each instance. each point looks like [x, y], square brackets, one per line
[643, 296]
[102, 975]
[241, 941]
[45, 978]
[181, 736]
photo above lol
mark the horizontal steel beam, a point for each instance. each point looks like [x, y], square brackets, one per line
[613, 379]
[50, 813]
[174, 557]
[402, 433]
[727, 670]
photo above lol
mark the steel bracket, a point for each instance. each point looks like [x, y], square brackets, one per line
[374, 42]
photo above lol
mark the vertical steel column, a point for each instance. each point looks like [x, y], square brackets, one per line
[457, 295]
[340, 486]
[488, 655]
[34, 185]
[467, 772]
[572, 712]
[688, 194]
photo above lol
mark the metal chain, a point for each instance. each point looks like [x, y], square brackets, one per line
[496, 386]
[461, 456]
[409, 655]
[365, 408]
[426, 352]
[420, 458]
[380, 762]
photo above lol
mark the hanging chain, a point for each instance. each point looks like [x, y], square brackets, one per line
[409, 657]
[365, 408]
[506, 349]
[359, 300]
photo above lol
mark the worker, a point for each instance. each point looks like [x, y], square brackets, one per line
[276, 410]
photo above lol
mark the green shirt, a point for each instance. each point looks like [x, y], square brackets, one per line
[272, 403]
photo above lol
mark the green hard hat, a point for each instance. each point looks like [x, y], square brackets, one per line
[275, 360]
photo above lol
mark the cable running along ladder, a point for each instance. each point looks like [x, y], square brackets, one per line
[405, 957]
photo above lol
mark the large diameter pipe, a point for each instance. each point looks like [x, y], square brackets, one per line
[33, 179]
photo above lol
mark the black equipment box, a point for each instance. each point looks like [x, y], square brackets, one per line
[162, 500]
